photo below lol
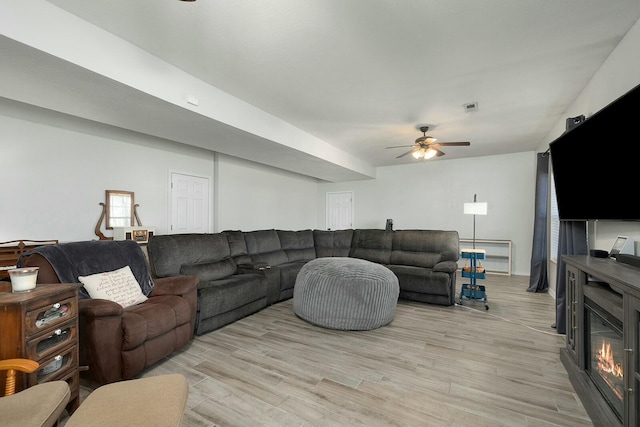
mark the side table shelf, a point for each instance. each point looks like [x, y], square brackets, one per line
[42, 325]
[474, 272]
[497, 254]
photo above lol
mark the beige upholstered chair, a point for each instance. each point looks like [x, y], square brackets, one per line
[157, 401]
[40, 405]
[152, 401]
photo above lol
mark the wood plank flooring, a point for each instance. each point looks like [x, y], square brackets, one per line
[432, 366]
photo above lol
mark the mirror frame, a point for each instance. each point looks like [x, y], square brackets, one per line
[111, 204]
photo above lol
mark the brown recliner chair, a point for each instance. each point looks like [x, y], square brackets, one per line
[118, 343]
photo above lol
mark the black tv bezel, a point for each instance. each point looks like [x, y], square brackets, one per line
[593, 164]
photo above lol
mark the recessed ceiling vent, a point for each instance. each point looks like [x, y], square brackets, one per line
[471, 107]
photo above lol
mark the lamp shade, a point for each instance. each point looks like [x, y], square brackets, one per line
[475, 208]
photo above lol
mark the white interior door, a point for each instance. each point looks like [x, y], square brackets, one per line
[189, 204]
[340, 210]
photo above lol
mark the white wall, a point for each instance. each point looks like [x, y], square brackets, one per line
[55, 170]
[431, 195]
[254, 197]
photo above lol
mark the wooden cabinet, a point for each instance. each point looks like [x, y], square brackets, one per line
[574, 287]
[42, 325]
[632, 349]
[11, 251]
[621, 297]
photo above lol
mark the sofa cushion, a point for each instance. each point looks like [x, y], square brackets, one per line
[298, 245]
[118, 286]
[332, 242]
[424, 248]
[264, 246]
[289, 273]
[220, 296]
[423, 280]
[237, 246]
[212, 270]
[153, 319]
[167, 253]
[372, 245]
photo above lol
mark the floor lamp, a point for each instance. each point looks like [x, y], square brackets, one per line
[475, 208]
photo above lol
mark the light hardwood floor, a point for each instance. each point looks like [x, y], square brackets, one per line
[432, 366]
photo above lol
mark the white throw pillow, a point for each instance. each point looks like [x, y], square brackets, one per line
[118, 286]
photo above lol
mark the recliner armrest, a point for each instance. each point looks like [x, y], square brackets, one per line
[446, 267]
[99, 308]
[175, 285]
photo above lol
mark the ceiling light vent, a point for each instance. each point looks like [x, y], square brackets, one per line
[471, 107]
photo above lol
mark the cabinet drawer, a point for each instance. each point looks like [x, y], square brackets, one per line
[57, 365]
[52, 342]
[50, 315]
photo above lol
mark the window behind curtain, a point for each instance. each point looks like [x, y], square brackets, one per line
[555, 222]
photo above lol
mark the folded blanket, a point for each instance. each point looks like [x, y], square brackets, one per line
[70, 260]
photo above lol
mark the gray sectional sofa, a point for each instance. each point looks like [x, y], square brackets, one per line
[242, 272]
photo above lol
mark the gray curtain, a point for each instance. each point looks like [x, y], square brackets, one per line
[538, 275]
[572, 241]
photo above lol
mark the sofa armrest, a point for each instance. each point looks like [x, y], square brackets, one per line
[99, 308]
[446, 267]
[175, 285]
[100, 323]
[184, 286]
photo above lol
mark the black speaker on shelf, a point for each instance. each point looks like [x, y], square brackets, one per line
[629, 259]
[598, 253]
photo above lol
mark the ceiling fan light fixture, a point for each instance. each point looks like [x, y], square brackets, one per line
[424, 147]
[431, 152]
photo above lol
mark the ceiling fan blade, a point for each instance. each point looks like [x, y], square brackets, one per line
[401, 146]
[439, 153]
[451, 144]
[402, 155]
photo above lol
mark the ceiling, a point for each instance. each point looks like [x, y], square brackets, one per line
[362, 75]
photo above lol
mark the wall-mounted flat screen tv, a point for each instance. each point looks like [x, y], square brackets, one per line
[596, 165]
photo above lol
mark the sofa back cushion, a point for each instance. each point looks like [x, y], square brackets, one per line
[167, 253]
[237, 246]
[210, 270]
[298, 245]
[332, 242]
[424, 248]
[372, 245]
[264, 246]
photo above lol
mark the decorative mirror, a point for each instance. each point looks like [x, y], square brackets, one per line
[119, 210]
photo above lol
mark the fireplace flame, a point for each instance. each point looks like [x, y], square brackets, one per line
[606, 362]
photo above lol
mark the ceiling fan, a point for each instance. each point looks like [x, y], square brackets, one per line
[425, 147]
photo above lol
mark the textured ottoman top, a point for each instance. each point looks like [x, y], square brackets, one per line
[345, 293]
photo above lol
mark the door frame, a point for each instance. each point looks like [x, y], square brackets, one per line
[327, 210]
[170, 198]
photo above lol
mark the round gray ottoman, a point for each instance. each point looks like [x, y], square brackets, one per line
[345, 293]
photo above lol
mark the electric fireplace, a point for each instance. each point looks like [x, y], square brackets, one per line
[604, 354]
[602, 343]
